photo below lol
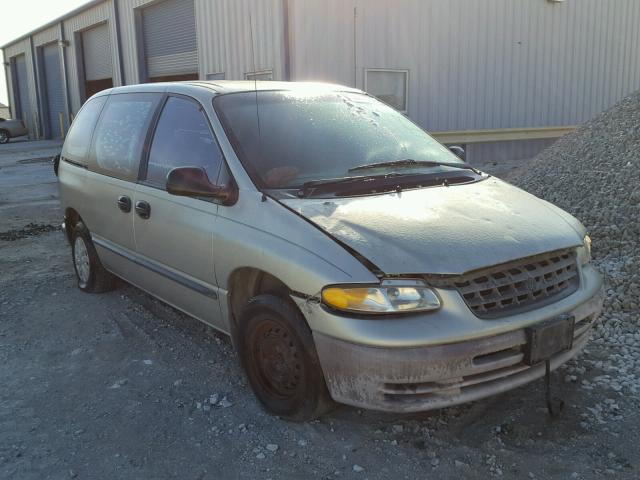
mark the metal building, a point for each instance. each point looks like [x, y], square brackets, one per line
[503, 77]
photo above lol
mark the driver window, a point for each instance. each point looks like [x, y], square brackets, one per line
[182, 139]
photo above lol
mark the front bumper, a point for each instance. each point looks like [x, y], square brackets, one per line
[425, 377]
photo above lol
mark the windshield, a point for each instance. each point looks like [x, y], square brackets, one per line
[293, 137]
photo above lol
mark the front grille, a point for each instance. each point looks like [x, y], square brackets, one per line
[517, 286]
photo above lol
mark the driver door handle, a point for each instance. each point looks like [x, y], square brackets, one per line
[143, 209]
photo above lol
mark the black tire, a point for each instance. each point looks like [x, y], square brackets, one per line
[4, 136]
[278, 354]
[92, 276]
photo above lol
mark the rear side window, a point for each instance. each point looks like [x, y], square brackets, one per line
[182, 138]
[76, 146]
[121, 133]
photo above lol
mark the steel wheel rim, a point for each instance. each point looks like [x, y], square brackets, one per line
[81, 260]
[277, 360]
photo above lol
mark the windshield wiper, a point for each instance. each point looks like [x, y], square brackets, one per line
[409, 162]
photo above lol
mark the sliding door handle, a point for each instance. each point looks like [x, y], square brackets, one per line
[124, 203]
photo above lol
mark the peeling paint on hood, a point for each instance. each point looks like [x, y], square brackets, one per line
[444, 230]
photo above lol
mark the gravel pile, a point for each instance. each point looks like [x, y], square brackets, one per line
[594, 173]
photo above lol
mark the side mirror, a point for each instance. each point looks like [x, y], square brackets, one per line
[194, 182]
[459, 152]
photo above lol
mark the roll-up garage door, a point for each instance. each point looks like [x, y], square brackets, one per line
[98, 60]
[21, 90]
[54, 90]
[170, 46]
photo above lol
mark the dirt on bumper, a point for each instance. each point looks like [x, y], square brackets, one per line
[425, 378]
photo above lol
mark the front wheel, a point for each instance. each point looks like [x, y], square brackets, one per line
[4, 136]
[277, 351]
[92, 276]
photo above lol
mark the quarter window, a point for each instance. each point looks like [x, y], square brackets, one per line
[390, 86]
[121, 134]
[182, 139]
[78, 141]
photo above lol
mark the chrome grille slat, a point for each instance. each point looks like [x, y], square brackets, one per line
[520, 285]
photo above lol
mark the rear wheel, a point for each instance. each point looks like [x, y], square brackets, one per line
[92, 276]
[278, 354]
[4, 136]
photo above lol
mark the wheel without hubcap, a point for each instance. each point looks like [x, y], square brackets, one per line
[277, 360]
[278, 354]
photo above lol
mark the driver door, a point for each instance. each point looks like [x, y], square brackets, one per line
[174, 234]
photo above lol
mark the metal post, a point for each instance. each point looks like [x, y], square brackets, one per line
[61, 121]
[355, 47]
[287, 40]
[39, 95]
[63, 54]
[118, 43]
[7, 73]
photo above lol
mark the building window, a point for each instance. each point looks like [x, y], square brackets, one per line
[215, 76]
[260, 75]
[389, 86]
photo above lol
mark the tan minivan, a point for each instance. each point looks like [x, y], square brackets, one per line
[350, 256]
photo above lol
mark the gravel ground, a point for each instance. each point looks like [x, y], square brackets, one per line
[594, 173]
[121, 386]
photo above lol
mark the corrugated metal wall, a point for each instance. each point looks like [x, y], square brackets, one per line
[22, 94]
[478, 64]
[24, 47]
[224, 37]
[96, 53]
[170, 41]
[53, 91]
[49, 35]
[223, 34]
[126, 10]
[473, 64]
[72, 28]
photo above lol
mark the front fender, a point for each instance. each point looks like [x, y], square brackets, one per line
[268, 236]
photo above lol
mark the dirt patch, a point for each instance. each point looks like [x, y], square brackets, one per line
[27, 161]
[29, 230]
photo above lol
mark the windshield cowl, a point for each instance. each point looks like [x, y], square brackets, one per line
[379, 184]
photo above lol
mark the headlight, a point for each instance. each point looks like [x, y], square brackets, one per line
[391, 296]
[584, 252]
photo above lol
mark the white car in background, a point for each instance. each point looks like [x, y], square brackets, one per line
[11, 128]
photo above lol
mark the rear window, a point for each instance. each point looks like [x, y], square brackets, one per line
[121, 132]
[76, 146]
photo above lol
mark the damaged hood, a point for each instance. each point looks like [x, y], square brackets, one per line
[444, 230]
